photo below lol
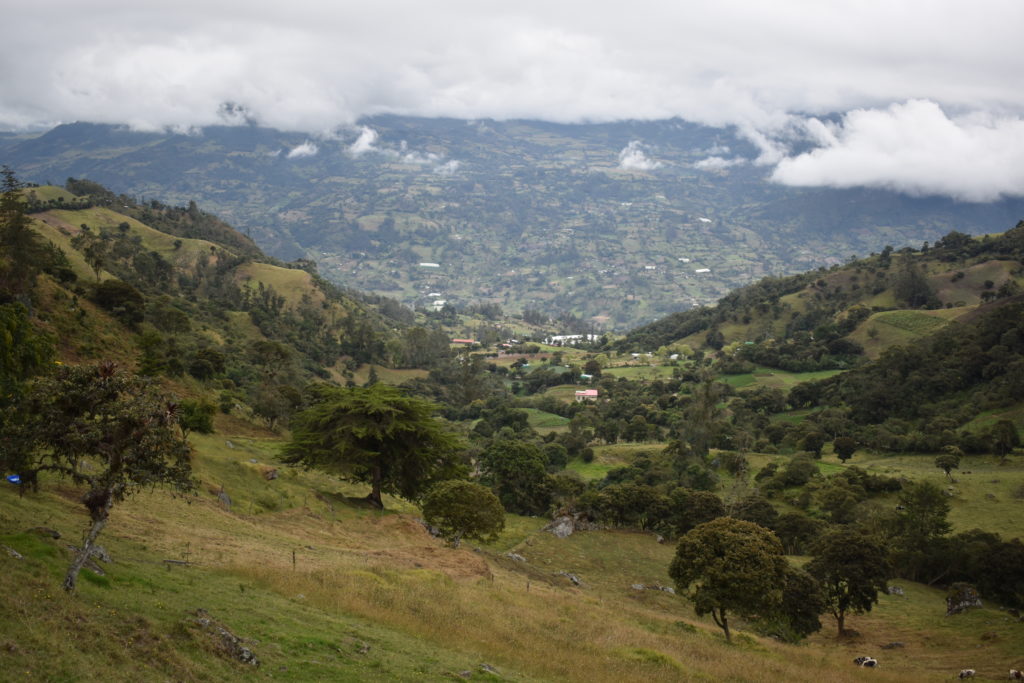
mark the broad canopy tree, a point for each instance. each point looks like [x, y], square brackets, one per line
[102, 428]
[376, 435]
[463, 509]
[730, 566]
[852, 566]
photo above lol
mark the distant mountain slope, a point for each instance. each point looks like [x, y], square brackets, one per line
[879, 301]
[612, 222]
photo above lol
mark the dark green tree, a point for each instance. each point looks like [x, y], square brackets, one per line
[947, 462]
[24, 352]
[463, 509]
[517, 472]
[110, 431]
[22, 251]
[844, 448]
[814, 442]
[852, 567]
[1004, 437]
[920, 521]
[802, 603]
[196, 416]
[730, 566]
[376, 435]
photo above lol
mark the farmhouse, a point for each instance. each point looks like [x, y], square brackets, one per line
[430, 265]
[586, 395]
[703, 270]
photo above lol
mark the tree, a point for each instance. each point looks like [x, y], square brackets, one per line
[1004, 437]
[852, 567]
[111, 431]
[23, 351]
[376, 435]
[948, 462]
[22, 252]
[844, 448]
[463, 509]
[728, 565]
[196, 416]
[802, 603]
[814, 442]
[517, 472]
[691, 508]
[923, 509]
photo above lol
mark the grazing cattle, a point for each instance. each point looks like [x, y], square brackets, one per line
[966, 673]
[869, 662]
[1016, 675]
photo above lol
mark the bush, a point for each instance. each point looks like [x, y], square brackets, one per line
[464, 509]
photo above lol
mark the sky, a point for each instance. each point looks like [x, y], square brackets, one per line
[922, 97]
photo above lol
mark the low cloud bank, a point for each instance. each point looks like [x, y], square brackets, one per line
[914, 147]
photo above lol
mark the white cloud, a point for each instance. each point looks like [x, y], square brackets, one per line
[717, 163]
[364, 143]
[448, 167]
[306, 149]
[916, 148]
[313, 66]
[633, 158]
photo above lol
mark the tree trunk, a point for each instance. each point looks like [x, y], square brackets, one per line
[723, 622]
[841, 620]
[99, 520]
[375, 495]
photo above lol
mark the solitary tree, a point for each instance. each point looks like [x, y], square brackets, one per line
[463, 509]
[107, 430]
[375, 435]
[947, 462]
[852, 567]
[1004, 437]
[728, 565]
[844, 448]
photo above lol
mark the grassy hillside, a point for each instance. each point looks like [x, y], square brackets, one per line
[320, 587]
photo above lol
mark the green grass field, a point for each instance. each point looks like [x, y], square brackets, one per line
[545, 422]
[639, 372]
[776, 379]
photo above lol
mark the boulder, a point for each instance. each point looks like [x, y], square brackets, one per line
[961, 597]
[561, 526]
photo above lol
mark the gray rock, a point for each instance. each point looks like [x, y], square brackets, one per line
[516, 557]
[561, 526]
[895, 590]
[638, 587]
[12, 552]
[572, 577]
[962, 597]
[224, 498]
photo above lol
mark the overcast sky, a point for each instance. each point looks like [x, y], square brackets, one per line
[930, 92]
